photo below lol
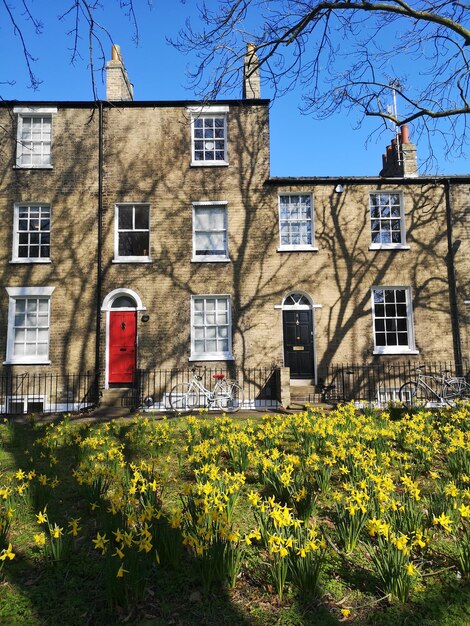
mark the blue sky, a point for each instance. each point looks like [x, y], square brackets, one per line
[300, 145]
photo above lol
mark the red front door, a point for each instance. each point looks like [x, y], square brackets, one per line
[122, 346]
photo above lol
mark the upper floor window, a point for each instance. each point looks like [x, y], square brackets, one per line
[211, 328]
[31, 233]
[387, 220]
[34, 137]
[132, 233]
[296, 222]
[28, 324]
[210, 242]
[209, 135]
[393, 320]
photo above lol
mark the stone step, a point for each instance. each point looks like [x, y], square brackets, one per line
[117, 397]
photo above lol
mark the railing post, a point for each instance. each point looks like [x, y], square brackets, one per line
[284, 387]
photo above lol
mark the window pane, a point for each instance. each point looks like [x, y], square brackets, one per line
[125, 217]
[133, 244]
[141, 217]
[213, 336]
[391, 318]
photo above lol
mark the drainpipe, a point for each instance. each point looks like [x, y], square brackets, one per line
[453, 299]
[99, 253]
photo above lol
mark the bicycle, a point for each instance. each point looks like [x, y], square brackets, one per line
[226, 396]
[451, 389]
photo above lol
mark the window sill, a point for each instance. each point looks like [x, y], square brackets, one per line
[133, 260]
[209, 163]
[33, 167]
[20, 362]
[211, 259]
[394, 352]
[297, 249]
[388, 246]
[213, 357]
[30, 261]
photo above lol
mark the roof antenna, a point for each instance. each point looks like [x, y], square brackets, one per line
[394, 85]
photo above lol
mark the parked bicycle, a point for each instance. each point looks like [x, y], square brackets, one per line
[439, 388]
[226, 396]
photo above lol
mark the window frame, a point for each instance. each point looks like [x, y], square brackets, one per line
[209, 112]
[23, 293]
[212, 356]
[130, 258]
[397, 349]
[38, 112]
[389, 245]
[15, 258]
[297, 247]
[210, 258]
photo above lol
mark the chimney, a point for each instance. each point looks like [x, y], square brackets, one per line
[251, 82]
[118, 86]
[400, 160]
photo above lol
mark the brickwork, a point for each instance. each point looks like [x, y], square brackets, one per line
[147, 159]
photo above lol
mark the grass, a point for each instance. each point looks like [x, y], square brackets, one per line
[35, 590]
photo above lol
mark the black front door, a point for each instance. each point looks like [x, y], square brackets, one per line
[298, 343]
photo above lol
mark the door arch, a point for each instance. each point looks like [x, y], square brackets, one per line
[298, 335]
[121, 306]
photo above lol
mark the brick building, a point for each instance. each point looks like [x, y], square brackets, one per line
[151, 235]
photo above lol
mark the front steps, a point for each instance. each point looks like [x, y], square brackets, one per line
[301, 394]
[117, 397]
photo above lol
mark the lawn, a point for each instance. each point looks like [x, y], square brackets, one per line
[317, 518]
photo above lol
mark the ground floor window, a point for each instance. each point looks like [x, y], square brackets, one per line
[393, 320]
[28, 324]
[211, 328]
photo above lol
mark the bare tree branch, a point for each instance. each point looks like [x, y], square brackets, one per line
[344, 54]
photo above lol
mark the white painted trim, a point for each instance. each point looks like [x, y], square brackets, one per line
[466, 301]
[209, 258]
[209, 203]
[297, 249]
[15, 245]
[209, 111]
[106, 307]
[30, 261]
[302, 307]
[292, 247]
[29, 112]
[204, 109]
[209, 163]
[213, 356]
[24, 292]
[34, 110]
[17, 292]
[130, 259]
[122, 291]
[411, 348]
[390, 246]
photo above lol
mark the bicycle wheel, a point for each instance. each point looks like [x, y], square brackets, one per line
[408, 392]
[457, 390]
[183, 398]
[228, 396]
[465, 391]
[452, 392]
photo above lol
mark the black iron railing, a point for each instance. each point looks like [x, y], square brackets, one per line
[380, 383]
[260, 385]
[46, 393]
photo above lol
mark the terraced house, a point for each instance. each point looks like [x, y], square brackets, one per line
[141, 237]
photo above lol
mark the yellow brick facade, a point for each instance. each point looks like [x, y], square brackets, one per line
[146, 159]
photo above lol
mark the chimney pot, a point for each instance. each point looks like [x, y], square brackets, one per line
[116, 52]
[405, 134]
